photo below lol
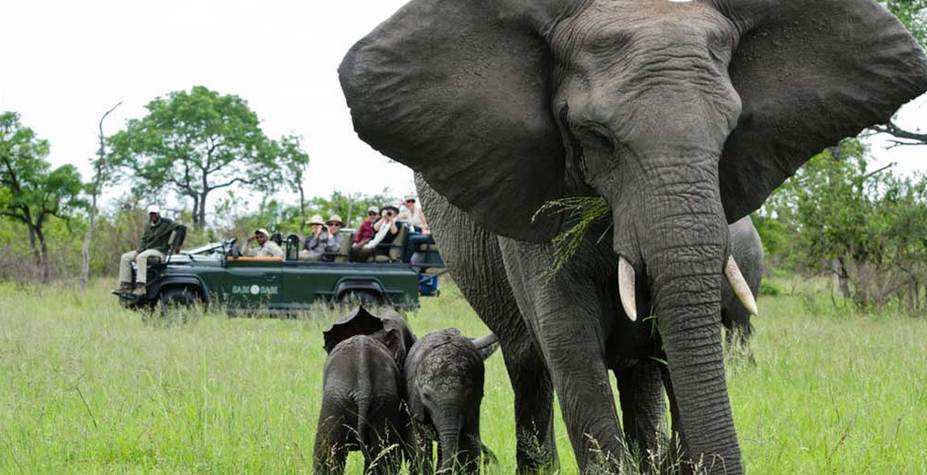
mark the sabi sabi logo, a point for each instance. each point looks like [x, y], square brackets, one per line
[255, 289]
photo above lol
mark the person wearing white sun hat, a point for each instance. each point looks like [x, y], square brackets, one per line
[314, 246]
[264, 248]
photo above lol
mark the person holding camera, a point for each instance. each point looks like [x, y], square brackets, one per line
[386, 229]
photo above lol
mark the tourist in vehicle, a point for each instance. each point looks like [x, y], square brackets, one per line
[411, 214]
[387, 228]
[314, 246]
[260, 245]
[365, 232]
[155, 242]
[335, 238]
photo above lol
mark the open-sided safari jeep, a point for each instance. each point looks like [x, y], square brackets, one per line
[214, 275]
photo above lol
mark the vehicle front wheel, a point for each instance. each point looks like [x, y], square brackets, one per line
[178, 301]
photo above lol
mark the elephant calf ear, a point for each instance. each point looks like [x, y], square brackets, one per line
[358, 322]
[459, 92]
[810, 73]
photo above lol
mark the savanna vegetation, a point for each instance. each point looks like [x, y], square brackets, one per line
[841, 345]
[88, 386]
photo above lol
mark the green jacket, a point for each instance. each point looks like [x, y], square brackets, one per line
[158, 235]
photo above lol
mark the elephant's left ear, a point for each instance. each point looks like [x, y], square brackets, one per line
[358, 322]
[459, 90]
[809, 73]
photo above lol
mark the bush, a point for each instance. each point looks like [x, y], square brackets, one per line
[866, 227]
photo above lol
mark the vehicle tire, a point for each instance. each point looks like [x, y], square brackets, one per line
[366, 298]
[177, 302]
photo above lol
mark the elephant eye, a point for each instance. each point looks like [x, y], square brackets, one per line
[598, 138]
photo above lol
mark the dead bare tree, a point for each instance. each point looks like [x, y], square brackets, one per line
[902, 137]
[101, 173]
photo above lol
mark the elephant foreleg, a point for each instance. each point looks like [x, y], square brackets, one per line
[643, 410]
[476, 263]
[581, 380]
[534, 413]
[570, 328]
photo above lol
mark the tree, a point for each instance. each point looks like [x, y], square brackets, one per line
[352, 208]
[30, 190]
[293, 160]
[194, 143]
[865, 226]
[101, 174]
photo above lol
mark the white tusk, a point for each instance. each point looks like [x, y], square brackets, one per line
[626, 288]
[739, 284]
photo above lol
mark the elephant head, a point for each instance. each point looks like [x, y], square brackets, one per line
[389, 328]
[444, 384]
[683, 114]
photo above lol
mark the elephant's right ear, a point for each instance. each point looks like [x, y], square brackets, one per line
[459, 91]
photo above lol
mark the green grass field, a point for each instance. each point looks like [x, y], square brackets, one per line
[87, 386]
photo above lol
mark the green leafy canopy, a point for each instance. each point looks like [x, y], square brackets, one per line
[194, 142]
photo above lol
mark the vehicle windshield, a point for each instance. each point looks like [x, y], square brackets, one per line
[211, 248]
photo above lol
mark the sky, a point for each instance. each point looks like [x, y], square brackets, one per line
[64, 63]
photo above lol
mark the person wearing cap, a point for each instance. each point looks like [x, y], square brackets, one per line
[155, 242]
[411, 214]
[264, 247]
[365, 232]
[314, 246]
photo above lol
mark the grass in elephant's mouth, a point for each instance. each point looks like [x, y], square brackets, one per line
[86, 386]
[580, 213]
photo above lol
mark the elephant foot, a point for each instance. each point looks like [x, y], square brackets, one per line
[535, 457]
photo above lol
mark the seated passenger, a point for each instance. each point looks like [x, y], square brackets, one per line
[386, 228]
[335, 238]
[412, 215]
[314, 247]
[264, 248]
[365, 232]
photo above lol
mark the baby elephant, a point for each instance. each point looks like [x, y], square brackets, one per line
[444, 383]
[362, 402]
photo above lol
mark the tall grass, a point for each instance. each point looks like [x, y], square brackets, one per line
[87, 386]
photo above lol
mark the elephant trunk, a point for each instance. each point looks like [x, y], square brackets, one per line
[678, 239]
[449, 437]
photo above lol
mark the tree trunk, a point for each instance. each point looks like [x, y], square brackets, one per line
[200, 214]
[43, 253]
[842, 276]
[302, 208]
[85, 248]
[33, 244]
[98, 179]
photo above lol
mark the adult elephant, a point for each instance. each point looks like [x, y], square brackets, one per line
[747, 251]
[683, 115]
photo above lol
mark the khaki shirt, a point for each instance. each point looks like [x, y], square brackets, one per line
[269, 249]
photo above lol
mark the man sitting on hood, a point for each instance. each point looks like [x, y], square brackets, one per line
[155, 242]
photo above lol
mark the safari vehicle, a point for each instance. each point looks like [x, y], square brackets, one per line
[216, 275]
